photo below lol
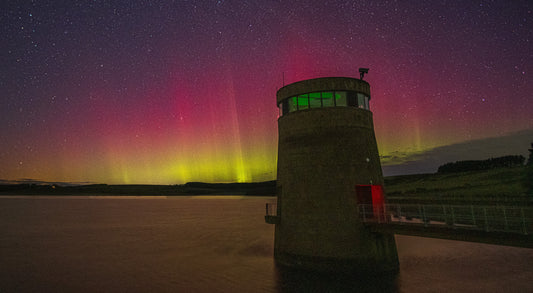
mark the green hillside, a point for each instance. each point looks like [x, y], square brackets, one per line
[495, 186]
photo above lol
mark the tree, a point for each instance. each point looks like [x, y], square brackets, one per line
[528, 178]
[530, 159]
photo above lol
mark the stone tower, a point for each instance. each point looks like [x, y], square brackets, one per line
[328, 163]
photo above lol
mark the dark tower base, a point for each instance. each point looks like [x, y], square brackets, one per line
[337, 265]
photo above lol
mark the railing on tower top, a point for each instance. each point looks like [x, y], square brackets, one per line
[486, 218]
[271, 215]
[270, 209]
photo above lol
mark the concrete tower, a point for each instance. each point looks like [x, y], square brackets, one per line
[328, 163]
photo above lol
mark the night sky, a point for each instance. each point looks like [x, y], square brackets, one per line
[168, 92]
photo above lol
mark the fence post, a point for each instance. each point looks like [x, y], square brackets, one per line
[400, 213]
[473, 215]
[444, 213]
[523, 221]
[486, 221]
[505, 219]
[424, 216]
[453, 216]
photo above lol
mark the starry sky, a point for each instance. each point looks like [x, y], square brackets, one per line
[166, 92]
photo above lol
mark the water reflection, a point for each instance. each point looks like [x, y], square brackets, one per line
[184, 244]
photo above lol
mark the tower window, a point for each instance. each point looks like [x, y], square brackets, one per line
[292, 104]
[362, 101]
[340, 99]
[285, 106]
[327, 99]
[315, 101]
[324, 99]
[352, 99]
[303, 102]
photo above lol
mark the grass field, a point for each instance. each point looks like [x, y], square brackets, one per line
[496, 186]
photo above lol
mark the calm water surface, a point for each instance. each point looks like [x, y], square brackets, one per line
[210, 244]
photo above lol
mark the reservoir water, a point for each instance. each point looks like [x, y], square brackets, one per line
[211, 244]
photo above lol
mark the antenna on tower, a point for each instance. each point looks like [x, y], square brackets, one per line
[362, 72]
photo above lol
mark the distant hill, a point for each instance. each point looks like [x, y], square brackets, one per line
[494, 186]
[474, 165]
[192, 188]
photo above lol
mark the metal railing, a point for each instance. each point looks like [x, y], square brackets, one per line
[271, 216]
[487, 218]
[271, 209]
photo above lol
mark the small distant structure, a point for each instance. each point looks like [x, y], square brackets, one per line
[328, 164]
[362, 72]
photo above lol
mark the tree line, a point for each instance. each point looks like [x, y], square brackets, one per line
[477, 165]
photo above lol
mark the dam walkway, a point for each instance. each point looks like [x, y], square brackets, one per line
[501, 225]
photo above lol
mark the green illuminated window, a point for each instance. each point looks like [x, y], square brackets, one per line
[327, 99]
[292, 104]
[303, 102]
[340, 99]
[324, 99]
[315, 101]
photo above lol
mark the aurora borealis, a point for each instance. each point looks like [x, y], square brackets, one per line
[167, 92]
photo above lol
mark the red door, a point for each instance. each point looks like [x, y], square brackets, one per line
[372, 199]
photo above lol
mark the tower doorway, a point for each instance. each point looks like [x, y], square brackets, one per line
[371, 196]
